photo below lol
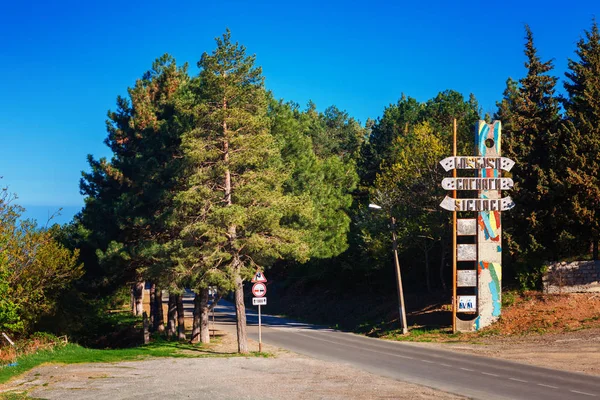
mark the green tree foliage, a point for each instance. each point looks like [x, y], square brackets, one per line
[235, 216]
[129, 198]
[409, 189]
[326, 174]
[398, 119]
[530, 116]
[581, 140]
[395, 170]
[34, 268]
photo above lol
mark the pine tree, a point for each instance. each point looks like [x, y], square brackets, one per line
[234, 215]
[130, 197]
[327, 179]
[581, 142]
[530, 116]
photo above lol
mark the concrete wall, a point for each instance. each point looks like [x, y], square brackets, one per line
[572, 277]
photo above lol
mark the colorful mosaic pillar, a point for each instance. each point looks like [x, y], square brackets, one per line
[489, 233]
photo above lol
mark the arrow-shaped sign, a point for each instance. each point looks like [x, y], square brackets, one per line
[452, 204]
[477, 183]
[450, 163]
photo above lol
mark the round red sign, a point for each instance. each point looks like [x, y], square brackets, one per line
[259, 289]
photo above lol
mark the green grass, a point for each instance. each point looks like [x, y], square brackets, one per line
[423, 335]
[15, 396]
[73, 353]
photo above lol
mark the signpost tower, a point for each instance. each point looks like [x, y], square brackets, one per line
[477, 260]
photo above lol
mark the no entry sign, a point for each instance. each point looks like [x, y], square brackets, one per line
[259, 289]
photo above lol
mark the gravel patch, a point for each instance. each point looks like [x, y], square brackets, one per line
[289, 377]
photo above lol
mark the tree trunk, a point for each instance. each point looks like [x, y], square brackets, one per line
[595, 249]
[171, 315]
[427, 280]
[240, 312]
[240, 309]
[204, 327]
[159, 319]
[138, 295]
[152, 305]
[132, 299]
[196, 322]
[180, 318]
[442, 266]
[200, 331]
[146, 328]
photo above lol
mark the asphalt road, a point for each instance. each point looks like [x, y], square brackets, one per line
[462, 374]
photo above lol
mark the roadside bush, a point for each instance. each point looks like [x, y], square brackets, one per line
[34, 268]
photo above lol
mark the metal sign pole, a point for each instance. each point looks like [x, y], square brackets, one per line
[259, 331]
[454, 242]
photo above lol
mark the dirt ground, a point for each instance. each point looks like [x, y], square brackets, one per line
[553, 331]
[284, 375]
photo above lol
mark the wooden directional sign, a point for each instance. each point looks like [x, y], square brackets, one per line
[451, 163]
[503, 204]
[477, 183]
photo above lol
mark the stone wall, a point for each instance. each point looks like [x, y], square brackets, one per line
[572, 277]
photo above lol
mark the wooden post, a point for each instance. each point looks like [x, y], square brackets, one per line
[454, 240]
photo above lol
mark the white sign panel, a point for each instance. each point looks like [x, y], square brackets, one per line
[466, 278]
[466, 227]
[466, 252]
[450, 163]
[452, 204]
[477, 183]
[259, 301]
[467, 303]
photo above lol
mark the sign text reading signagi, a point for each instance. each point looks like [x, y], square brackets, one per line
[452, 204]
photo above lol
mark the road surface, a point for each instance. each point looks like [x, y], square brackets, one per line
[462, 374]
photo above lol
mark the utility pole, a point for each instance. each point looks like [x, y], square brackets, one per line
[401, 310]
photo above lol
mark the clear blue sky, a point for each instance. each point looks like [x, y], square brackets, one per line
[62, 64]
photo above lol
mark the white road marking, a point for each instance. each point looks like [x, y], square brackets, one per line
[487, 373]
[427, 361]
[518, 380]
[584, 393]
[445, 365]
[549, 386]
[467, 369]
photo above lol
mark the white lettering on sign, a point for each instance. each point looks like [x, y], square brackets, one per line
[452, 204]
[467, 303]
[477, 183]
[450, 163]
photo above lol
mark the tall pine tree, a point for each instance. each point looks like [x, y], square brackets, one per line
[234, 215]
[130, 197]
[530, 116]
[582, 136]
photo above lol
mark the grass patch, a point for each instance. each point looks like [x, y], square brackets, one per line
[15, 396]
[424, 335]
[73, 354]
